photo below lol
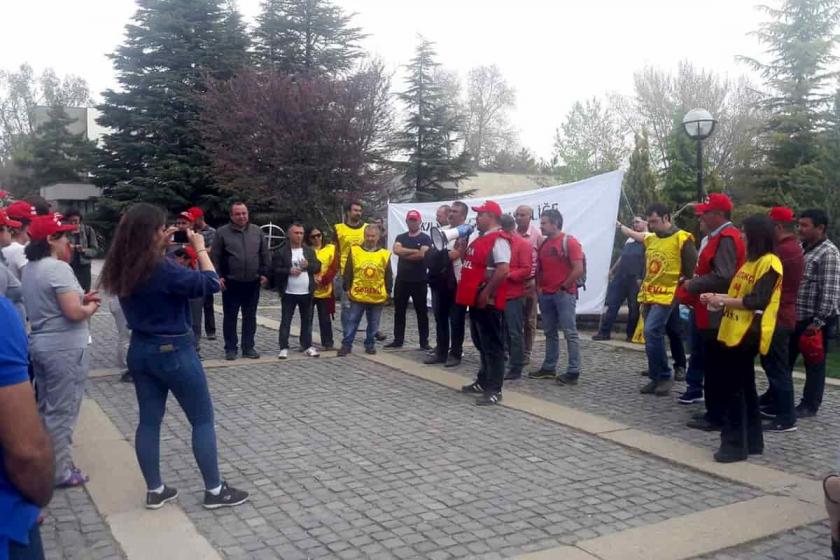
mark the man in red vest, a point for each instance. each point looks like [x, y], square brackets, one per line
[722, 252]
[482, 288]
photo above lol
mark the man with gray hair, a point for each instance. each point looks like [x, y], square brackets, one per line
[530, 232]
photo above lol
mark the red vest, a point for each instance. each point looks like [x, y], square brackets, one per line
[704, 266]
[474, 271]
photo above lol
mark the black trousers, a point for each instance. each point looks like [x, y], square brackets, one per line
[487, 330]
[812, 393]
[417, 292]
[238, 296]
[82, 272]
[714, 378]
[304, 304]
[779, 395]
[209, 315]
[450, 323]
[324, 322]
[741, 432]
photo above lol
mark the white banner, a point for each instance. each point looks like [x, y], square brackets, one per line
[589, 209]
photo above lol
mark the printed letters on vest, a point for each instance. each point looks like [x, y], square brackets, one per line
[369, 275]
[663, 265]
[348, 238]
[474, 271]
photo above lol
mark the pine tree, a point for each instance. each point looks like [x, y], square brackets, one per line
[639, 180]
[155, 153]
[431, 134]
[306, 37]
[53, 154]
[800, 38]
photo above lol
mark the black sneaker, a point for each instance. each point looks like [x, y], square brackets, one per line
[691, 396]
[227, 497]
[600, 336]
[394, 344]
[703, 424]
[542, 374]
[767, 412]
[488, 399]
[231, 355]
[250, 353]
[156, 500]
[370, 351]
[452, 361]
[513, 374]
[566, 379]
[434, 360]
[472, 389]
[728, 456]
[804, 411]
[778, 427]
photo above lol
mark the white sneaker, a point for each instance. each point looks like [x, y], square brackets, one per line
[284, 353]
[312, 352]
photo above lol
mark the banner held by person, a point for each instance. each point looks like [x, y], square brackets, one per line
[589, 209]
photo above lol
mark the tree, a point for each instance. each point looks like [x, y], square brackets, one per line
[639, 181]
[828, 162]
[432, 132]
[589, 142]
[306, 37]
[53, 154]
[154, 152]
[298, 147]
[489, 98]
[800, 39]
[523, 161]
[22, 91]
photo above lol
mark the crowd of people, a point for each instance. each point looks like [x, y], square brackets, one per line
[769, 289]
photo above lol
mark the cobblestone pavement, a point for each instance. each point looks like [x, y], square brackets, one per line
[74, 530]
[350, 459]
[810, 542]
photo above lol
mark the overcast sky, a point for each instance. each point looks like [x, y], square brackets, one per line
[553, 52]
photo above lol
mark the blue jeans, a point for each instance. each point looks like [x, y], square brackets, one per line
[373, 311]
[160, 364]
[514, 332]
[620, 289]
[558, 313]
[32, 551]
[656, 321]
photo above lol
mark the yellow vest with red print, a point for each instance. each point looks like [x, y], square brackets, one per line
[369, 275]
[736, 322]
[325, 255]
[663, 267]
[348, 238]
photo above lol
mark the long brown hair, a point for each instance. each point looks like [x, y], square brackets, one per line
[135, 250]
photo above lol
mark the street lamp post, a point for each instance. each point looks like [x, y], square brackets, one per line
[699, 125]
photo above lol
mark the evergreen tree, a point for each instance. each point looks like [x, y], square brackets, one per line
[431, 134]
[828, 163]
[53, 154]
[306, 37]
[154, 152]
[639, 180]
[800, 38]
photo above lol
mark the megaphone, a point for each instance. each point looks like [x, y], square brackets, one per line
[442, 237]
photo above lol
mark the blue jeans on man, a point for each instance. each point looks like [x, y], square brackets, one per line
[656, 322]
[373, 312]
[558, 313]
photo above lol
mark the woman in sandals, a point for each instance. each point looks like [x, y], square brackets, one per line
[58, 311]
[154, 294]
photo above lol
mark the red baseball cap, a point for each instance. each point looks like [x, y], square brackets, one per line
[44, 226]
[413, 215]
[187, 215]
[20, 209]
[489, 206]
[781, 214]
[716, 201]
[6, 221]
[196, 212]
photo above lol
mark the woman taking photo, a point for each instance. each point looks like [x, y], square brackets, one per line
[746, 329]
[324, 300]
[154, 294]
[58, 313]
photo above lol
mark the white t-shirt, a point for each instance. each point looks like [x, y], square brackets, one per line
[298, 285]
[15, 258]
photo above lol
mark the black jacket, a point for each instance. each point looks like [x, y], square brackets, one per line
[240, 254]
[281, 265]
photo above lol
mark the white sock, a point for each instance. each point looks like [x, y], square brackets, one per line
[158, 490]
[215, 491]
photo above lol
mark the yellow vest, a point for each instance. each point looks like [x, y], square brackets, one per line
[348, 238]
[736, 322]
[325, 255]
[663, 265]
[369, 275]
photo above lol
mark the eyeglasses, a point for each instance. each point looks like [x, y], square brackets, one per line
[314, 235]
